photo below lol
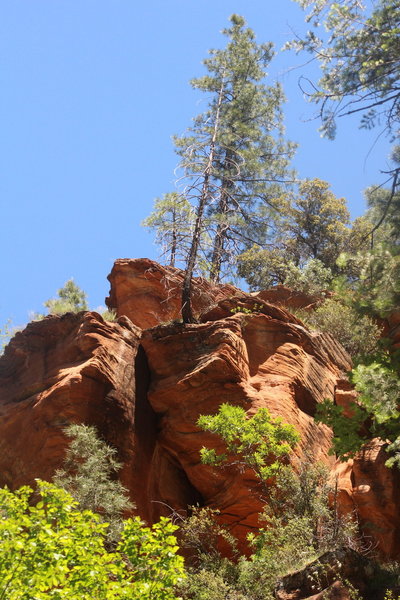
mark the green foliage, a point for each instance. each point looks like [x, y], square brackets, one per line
[359, 61]
[260, 443]
[70, 299]
[347, 439]
[379, 389]
[313, 278]
[246, 310]
[299, 526]
[377, 287]
[358, 334]
[203, 535]
[262, 268]
[155, 569]
[52, 550]
[316, 223]
[172, 220]
[88, 475]
[6, 333]
[376, 413]
[223, 164]
[307, 238]
[110, 315]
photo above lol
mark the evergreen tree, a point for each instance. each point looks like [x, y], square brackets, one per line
[70, 299]
[172, 220]
[233, 158]
[88, 475]
[312, 231]
[360, 63]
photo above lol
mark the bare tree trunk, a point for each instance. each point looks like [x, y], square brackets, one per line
[223, 226]
[187, 312]
[174, 239]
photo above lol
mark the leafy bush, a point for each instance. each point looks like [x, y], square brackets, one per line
[88, 475]
[202, 534]
[51, 550]
[358, 334]
[260, 443]
[375, 414]
[313, 278]
[376, 278]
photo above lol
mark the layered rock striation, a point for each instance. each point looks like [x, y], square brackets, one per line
[143, 383]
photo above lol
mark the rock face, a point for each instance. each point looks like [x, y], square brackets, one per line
[73, 369]
[253, 361]
[144, 391]
[150, 294]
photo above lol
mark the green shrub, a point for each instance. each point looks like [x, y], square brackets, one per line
[314, 278]
[375, 414]
[70, 299]
[261, 442]
[109, 315]
[358, 334]
[51, 550]
[88, 474]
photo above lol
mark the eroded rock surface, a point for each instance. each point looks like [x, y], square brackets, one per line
[72, 369]
[144, 391]
[150, 294]
[252, 360]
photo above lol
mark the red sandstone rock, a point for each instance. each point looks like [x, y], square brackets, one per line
[371, 490]
[150, 294]
[284, 296]
[70, 369]
[252, 360]
[77, 368]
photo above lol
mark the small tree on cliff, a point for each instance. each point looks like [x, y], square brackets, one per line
[70, 299]
[261, 443]
[88, 474]
[172, 220]
[233, 158]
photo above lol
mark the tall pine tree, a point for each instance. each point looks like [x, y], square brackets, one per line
[233, 158]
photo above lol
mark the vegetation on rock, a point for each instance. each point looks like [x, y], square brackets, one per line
[88, 474]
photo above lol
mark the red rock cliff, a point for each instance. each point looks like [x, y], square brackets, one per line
[144, 391]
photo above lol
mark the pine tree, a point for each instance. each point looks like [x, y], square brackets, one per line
[88, 474]
[70, 299]
[172, 220]
[233, 157]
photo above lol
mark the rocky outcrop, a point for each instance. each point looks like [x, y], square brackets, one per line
[338, 575]
[150, 294]
[368, 489]
[284, 296]
[257, 360]
[73, 369]
[144, 391]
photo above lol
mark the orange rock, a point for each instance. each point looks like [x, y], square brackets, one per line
[145, 394]
[150, 294]
[284, 296]
[76, 368]
[251, 360]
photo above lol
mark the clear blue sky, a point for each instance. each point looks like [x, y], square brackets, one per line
[91, 92]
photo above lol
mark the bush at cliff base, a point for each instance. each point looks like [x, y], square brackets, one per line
[51, 550]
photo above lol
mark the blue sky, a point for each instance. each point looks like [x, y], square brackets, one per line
[92, 91]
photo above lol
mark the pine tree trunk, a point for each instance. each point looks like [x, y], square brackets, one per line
[187, 312]
[222, 227]
[174, 239]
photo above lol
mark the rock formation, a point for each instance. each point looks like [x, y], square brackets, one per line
[143, 384]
